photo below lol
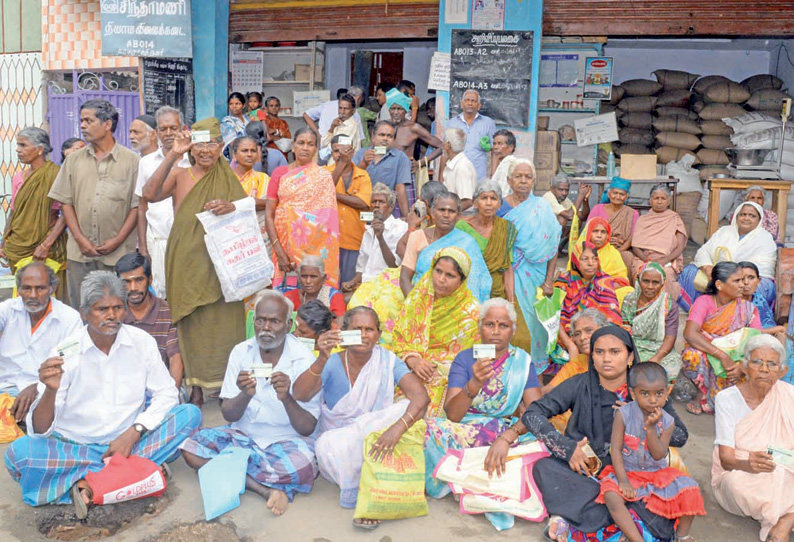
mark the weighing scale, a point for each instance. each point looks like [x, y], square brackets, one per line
[766, 172]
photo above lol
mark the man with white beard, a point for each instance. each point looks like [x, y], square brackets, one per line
[256, 398]
[143, 135]
[31, 325]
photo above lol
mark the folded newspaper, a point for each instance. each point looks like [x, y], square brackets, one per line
[235, 245]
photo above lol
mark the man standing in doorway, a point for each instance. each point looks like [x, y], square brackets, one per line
[155, 218]
[96, 188]
[479, 131]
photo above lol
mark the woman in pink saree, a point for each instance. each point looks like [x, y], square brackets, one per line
[301, 213]
[754, 418]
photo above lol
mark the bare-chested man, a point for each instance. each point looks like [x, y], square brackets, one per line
[208, 327]
[408, 131]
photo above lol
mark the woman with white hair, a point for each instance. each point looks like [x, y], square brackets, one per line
[485, 396]
[35, 226]
[755, 419]
[534, 255]
[312, 284]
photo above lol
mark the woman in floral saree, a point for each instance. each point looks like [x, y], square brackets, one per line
[302, 217]
[437, 321]
[720, 311]
[652, 315]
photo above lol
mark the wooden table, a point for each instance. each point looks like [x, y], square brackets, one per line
[779, 189]
[602, 182]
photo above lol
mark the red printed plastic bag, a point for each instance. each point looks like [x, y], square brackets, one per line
[126, 479]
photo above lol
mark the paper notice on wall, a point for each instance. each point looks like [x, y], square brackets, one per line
[488, 14]
[596, 129]
[305, 100]
[455, 12]
[247, 71]
[439, 72]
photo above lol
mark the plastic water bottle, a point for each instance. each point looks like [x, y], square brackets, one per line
[610, 165]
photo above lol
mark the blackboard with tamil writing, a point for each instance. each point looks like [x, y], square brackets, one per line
[497, 64]
[169, 81]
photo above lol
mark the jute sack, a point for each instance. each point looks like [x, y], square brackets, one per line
[631, 136]
[726, 92]
[677, 124]
[686, 207]
[637, 104]
[707, 172]
[642, 121]
[673, 154]
[767, 98]
[617, 94]
[630, 148]
[607, 107]
[641, 87]
[715, 128]
[674, 80]
[716, 142]
[713, 157]
[676, 112]
[678, 140]
[703, 83]
[674, 98]
[721, 111]
[698, 104]
[762, 80]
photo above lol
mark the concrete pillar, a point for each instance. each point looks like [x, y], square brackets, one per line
[210, 56]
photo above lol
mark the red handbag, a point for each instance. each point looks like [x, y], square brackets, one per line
[126, 479]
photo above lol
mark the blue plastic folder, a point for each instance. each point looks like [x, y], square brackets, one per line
[222, 481]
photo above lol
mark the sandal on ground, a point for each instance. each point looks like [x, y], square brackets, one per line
[365, 526]
[687, 538]
[774, 539]
[559, 525]
[80, 507]
[694, 408]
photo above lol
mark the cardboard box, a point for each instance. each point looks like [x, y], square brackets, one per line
[302, 72]
[547, 142]
[638, 166]
[543, 182]
[547, 161]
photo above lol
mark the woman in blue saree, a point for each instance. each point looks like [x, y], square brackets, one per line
[485, 397]
[534, 258]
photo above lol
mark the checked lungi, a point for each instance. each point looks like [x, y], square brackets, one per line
[287, 465]
[47, 467]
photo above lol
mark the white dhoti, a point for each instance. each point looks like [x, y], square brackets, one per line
[156, 245]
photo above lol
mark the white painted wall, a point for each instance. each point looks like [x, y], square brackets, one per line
[416, 62]
[631, 63]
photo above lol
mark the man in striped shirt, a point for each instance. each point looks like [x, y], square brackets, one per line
[148, 312]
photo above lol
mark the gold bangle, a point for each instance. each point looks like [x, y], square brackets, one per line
[407, 427]
[411, 415]
[313, 373]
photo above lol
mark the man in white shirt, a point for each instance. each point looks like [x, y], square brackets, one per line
[155, 218]
[319, 118]
[264, 416]
[92, 403]
[31, 325]
[459, 175]
[379, 246]
[344, 125]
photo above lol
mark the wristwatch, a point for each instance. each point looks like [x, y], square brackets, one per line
[139, 428]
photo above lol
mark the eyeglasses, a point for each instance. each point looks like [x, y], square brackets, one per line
[757, 363]
[212, 145]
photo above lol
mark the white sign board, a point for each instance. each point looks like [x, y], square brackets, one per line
[596, 129]
[305, 100]
[455, 12]
[439, 72]
[247, 71]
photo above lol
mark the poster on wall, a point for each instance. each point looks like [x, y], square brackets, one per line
[559, 70]
[498, 65]
[439, 72]
[160, 29]
[169, 81]
[488, 14]
[455, 12]
[248, 68]
[598, 78]
[596, 129]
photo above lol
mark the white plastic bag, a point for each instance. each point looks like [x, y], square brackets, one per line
[235, 245]
[688, 177]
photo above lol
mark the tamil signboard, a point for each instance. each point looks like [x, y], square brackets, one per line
[150, 28]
